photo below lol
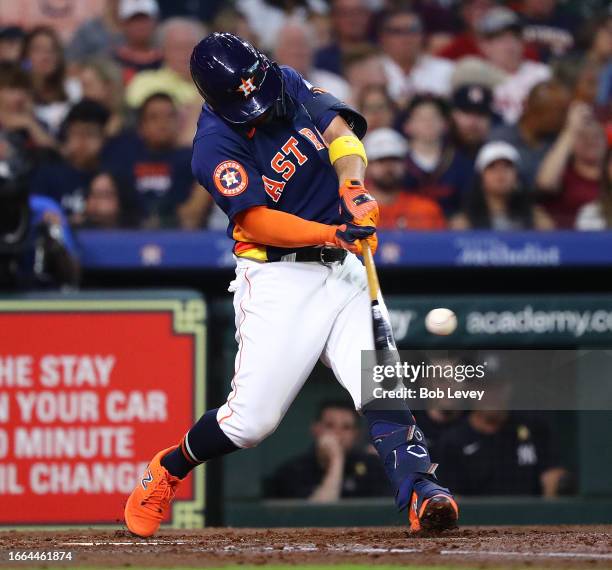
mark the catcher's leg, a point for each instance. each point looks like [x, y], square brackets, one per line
[401, 445]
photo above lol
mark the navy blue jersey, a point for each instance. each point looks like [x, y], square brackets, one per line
[283, 165]
[64, 183]
[158, 181]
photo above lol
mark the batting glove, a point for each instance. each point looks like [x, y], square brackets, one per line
[349, 236]
[357, 205]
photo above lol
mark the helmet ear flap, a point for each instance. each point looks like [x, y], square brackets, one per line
[280, 105]
[283, 106]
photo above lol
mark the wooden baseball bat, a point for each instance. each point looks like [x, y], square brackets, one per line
[383, 335]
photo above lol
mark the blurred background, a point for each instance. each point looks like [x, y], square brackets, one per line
[489, 146]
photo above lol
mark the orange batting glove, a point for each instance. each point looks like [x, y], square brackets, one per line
[357, 205]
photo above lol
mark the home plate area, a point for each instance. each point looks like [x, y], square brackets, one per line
[470, 547]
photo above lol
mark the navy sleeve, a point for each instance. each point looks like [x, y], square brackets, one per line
[301, 90]
[227, 170]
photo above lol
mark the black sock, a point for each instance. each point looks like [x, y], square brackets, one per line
[204, 441]
[178, 462]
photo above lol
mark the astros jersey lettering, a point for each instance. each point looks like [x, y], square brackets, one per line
[283, 165]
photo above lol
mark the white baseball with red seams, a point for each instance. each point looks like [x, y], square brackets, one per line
[288, 315]
[441, 322]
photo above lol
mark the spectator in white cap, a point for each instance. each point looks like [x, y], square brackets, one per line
[138, 20]
[501, 42]
[497, 202]
[399, 209]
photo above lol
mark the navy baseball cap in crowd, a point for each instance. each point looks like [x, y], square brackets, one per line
[8, 33]
[473, 98]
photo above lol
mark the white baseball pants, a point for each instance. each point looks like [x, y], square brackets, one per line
[288, 315]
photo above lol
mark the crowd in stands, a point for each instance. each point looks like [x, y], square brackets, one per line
[482, 114]
[480, 453]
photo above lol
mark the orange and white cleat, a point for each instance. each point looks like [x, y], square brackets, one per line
[150, 500]
[433, 514]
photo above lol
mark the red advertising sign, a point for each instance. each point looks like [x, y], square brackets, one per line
[90, 390]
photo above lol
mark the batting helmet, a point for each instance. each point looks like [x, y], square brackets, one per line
[238, 81]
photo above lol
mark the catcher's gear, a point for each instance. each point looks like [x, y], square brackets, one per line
[357, 205]
[349, 236]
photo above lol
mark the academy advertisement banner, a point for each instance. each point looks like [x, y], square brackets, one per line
[90, 390]
[506, 320]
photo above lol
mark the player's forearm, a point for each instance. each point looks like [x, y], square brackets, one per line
[351, 166]
[271, 227]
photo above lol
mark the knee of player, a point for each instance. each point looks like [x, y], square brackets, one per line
[255, 431]
[262, 428]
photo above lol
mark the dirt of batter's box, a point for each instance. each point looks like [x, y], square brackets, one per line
[471, 547]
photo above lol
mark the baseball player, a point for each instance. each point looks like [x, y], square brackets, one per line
[285, 162]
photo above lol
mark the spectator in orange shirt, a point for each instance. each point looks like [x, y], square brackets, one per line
[399, 209]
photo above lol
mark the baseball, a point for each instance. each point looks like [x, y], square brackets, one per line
[441, 322]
